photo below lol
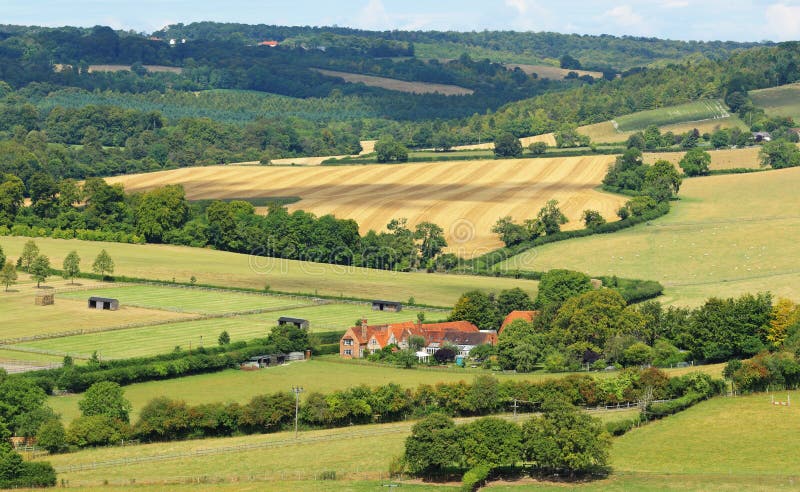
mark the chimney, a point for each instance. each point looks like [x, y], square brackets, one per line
[364, 328]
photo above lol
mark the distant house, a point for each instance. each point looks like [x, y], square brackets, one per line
[269, 43]
[298, 322]
[105, 303]
[361, 341]
[762, 137]
[392, 306]
[527, 316]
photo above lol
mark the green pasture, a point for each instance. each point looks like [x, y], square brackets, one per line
[189, 300]
[694, 111]
[323, 374]
[162, 338]
[742, 443]
[779, 101]
[166, 262]
[725, 236]
[351, 452]
[21, 317]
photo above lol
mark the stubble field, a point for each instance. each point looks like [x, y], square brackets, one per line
[464, 198]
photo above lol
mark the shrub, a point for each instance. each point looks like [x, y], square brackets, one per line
[475, 478]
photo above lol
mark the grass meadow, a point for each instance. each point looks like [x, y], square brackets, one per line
[22, 318]
[189, 300]
[682, 113]
[162, 338]
[727, 235]
[742, 443]
[606, 132]
[322, 374]
[779, 101]
[351, 452]
[165, 262]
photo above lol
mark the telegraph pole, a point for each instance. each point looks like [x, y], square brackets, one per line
[297, 390]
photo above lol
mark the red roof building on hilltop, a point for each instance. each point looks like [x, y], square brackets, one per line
[269, 43]
[363, 340]
[526, 316]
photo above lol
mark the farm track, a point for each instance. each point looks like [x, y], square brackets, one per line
[464, 198]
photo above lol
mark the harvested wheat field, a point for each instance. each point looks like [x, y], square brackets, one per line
[551, 72]
[398, 85]
[465, 198]
[548, 138]
[746, 158]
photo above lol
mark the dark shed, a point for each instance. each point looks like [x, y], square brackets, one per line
[106, 303]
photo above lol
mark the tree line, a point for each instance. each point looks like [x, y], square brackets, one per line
[105, 412]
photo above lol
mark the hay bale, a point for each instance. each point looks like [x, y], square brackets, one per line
[45, 299]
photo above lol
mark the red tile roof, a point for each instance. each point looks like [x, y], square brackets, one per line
[515, 315]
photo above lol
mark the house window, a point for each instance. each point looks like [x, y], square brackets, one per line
[348, 352]
[373, 342]
[348, 341]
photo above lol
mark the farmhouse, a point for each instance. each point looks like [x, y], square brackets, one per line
[391, 306]
[515, 315]
[363, 340]
[105, 303]
[269, 43]
[298, 322]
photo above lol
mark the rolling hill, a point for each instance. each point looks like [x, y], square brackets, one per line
[779, 101]
[727, 235]
[464, 198]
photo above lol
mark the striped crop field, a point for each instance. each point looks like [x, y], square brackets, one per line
[464, 198]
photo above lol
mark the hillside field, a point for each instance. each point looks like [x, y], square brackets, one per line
[746, 444]
[551, 72]
[324, 374]
[727, 235]
[707, 116]
[547, 138]
[745, 158]
[779, 101]
[164, 262]
[398, 85]
[464, 198]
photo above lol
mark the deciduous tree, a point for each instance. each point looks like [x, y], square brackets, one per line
[71, 266]
[40, 269]
[103, 264]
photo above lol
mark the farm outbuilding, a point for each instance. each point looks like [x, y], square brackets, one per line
[268, 360]
[45, 299]
[391, 306]
[103, 303]
[298, 322]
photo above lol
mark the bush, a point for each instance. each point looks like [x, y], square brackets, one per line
[52, 436]
[475, 478]
[620, 427]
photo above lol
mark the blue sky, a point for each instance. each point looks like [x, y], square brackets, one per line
[740, 20]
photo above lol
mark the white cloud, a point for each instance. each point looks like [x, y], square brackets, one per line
[675, 4]
[624, 15]
[783, 22]
[373, 16]
[521, 6]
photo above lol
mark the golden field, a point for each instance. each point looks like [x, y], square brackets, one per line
[464, 198]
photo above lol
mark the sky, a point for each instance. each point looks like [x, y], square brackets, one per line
[734, 20]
